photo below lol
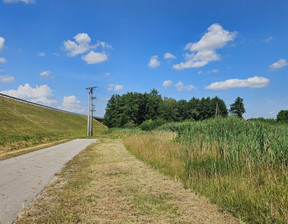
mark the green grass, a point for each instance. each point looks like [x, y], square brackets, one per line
[23, 125]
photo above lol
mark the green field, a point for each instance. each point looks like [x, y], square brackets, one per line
[23, 125]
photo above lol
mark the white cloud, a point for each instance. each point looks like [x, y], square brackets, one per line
[2, 60]
[252, 82]
[200, 72]
[6, 78]
[70, 103]
[169, 56]
[268, 39]
[114, 87]
[107, 73]
[95, 57]
[204, 51]
[167, 83]
[2, 41]
[45, 73]
[279, 64]
[154, 63]
[39, 94]
[24, 1]
[82, 45]
[79, 46]
[103, 45]
[180, 86]
[213, 71]
[41, 54]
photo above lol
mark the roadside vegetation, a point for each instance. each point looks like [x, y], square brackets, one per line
[239, 165]
[24, 125]
[118, 188]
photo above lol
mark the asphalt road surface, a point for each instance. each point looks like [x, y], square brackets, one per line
[22, 178]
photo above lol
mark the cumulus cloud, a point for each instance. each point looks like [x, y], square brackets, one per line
[115, 87]
[2, 60]
[252, 82]
[79, 46]
[180, 86]
[279, 64]
[82, 45]
[24, 1]
[154, 63]
[70, 103]
[169, 56]
[107, 73]
[39, 94]
[2, 41]
[204, 51]
[41, 54]
[167, 83]
[6, 78]
[95, 57]
[45, 73]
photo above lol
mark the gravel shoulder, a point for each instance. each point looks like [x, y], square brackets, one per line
[106, 184]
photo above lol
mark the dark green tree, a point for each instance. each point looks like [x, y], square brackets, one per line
[282, 116]
[182, 107]
[237, 108]
[154, 100]
[194, 105]
[168, 109]
[132, 109]
[220, 109]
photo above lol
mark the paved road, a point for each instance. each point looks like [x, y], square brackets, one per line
[22, 178]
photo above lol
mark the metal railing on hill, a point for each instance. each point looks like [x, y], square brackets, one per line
[40, 105]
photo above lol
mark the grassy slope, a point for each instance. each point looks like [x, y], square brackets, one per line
[23, 125]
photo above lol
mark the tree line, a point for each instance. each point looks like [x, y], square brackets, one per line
[134, 108]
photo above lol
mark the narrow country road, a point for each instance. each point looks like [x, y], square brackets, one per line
[22, 178]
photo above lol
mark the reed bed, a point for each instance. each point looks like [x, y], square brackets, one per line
[239, 165]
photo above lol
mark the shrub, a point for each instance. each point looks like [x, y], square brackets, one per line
[130, 125]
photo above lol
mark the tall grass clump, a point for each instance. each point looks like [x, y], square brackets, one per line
[238, 142]
[240, 165]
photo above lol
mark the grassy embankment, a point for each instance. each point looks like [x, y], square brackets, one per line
[239, 165]
[23, 125]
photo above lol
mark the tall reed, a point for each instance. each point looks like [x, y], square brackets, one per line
[239, 165]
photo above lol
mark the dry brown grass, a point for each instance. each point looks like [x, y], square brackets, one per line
[9, 154]
[106, 184]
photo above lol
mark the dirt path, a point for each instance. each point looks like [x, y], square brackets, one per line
[120, 189]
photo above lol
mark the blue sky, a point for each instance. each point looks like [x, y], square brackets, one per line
[50, 51]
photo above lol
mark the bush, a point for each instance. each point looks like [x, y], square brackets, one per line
[130, 125]
[282, 116]
[149, 125]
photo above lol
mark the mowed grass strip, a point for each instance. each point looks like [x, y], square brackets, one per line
[106, 184]
[24, 125]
